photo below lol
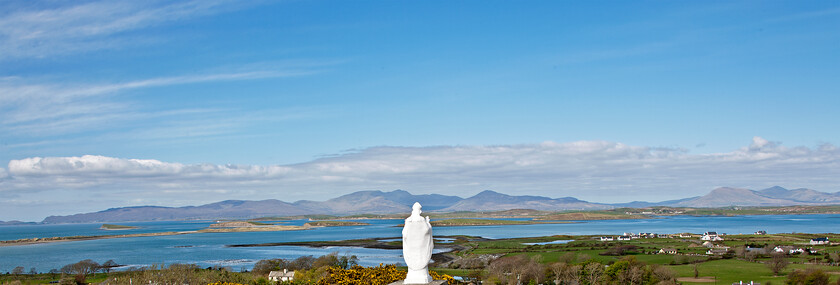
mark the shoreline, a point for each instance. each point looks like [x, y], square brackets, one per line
[31, 241]
[708, 212]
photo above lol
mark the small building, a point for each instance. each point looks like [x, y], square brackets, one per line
[685, 235]
[754, 249]
[711, 236]
[717, 251]
[606, 238]
[788, 249]
[668, 251]
[744, 283]
[822, 240]
[280, 276]
[624, 238]
[761, 233]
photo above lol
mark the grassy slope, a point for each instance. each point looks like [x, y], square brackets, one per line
[726, 270]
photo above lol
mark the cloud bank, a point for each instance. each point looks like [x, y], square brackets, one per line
[591, 170]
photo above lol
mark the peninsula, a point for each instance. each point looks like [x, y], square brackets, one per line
[112, 227]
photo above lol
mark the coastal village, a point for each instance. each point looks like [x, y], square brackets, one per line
[714, 242]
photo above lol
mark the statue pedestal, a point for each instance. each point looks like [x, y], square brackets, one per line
[435, 282]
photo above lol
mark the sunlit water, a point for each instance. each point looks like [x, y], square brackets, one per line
[208, 249]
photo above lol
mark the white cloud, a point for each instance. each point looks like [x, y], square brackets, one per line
[85, 26]
[592, 170]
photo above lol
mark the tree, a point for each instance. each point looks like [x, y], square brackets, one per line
[108, 265]
[835, 258]
[696, 270]
[18, 270]
[664, 274]
[348, 261]
[777, 263]
[263, 267]
[332, 259]
[751, 256]
[33, 271]
[83, 267]
[635, 275]
[593, 272]
[517, 269]
[809, 276]
[566, 273]
[741, 251]
[627, 270]
[302, 263]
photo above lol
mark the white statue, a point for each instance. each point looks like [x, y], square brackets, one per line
[417, 247]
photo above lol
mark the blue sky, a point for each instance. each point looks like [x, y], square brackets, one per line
[120, 103]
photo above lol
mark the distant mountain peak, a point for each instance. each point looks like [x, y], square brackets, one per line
[489, 200]
[487, 193]
[729, 190]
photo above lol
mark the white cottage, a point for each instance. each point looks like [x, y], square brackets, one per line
[284, 275]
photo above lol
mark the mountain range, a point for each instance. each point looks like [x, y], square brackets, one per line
[400, 201]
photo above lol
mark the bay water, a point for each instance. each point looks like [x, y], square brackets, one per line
[209, 249]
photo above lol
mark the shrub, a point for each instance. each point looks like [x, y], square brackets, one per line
[809, 276]
[379, 275]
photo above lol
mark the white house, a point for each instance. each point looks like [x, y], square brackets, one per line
[717, 251]
[606, 238]
[668, 251]
[711, 236]
[788, 249]
[822, 240]
[623, 237]
[284, 275]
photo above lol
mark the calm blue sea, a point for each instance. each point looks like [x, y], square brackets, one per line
[208, 249]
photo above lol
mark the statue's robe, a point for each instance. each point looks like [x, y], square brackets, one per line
[417, 249]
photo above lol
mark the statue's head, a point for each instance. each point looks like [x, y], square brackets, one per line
[416, 207]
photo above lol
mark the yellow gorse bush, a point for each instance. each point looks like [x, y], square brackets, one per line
[437, 276]
[379, 275]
